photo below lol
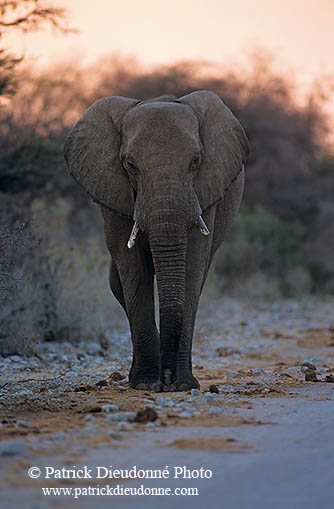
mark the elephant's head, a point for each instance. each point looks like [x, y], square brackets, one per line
[161, 151]
[161, 163]
[167, 157]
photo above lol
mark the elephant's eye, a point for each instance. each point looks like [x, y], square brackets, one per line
[196, 161]
[130, 165]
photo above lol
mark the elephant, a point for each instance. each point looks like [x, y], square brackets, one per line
[168, 177]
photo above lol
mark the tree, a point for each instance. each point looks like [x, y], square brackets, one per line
[26, 15]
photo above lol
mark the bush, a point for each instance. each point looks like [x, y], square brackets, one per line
[53, 277]
[53, 284]
[260, 242]
[29, 166]
[26, 304]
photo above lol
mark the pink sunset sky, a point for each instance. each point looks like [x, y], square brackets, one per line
[298, 32]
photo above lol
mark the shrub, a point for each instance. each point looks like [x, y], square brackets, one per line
[24, 277]
[54, 285]
[260, 242]
[53, 278]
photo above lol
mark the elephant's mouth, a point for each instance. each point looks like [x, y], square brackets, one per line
[135, 230]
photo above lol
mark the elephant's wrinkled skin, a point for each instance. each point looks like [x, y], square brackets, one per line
[160, 165]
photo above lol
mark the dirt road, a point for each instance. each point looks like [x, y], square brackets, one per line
[263, 431]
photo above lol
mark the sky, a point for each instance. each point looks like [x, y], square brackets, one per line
[298, 32]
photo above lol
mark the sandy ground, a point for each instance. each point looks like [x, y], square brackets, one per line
[264, 431]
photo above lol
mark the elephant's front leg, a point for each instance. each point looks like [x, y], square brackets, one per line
[197, 265]
[131, 281]
[134, 291]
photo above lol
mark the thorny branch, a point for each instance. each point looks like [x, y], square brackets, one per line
[34, 380]
[31, 19]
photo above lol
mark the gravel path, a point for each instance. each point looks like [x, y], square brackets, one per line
[262, 422]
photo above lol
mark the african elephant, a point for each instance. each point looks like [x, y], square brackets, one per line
[168, 175]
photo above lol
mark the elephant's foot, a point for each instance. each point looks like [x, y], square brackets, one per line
[182, 382]
[142, 381]
[145, 376]
[146, 386]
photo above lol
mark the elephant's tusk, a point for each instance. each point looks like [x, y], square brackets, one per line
[202, 226]
[133, 236]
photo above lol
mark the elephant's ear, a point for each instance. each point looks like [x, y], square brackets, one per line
[225, 146]
[92, 154]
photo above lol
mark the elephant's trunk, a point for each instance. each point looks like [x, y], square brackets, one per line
[167, 218]
[169, 257]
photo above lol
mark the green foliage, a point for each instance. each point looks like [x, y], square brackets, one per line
[322, 276]
[260, 242]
